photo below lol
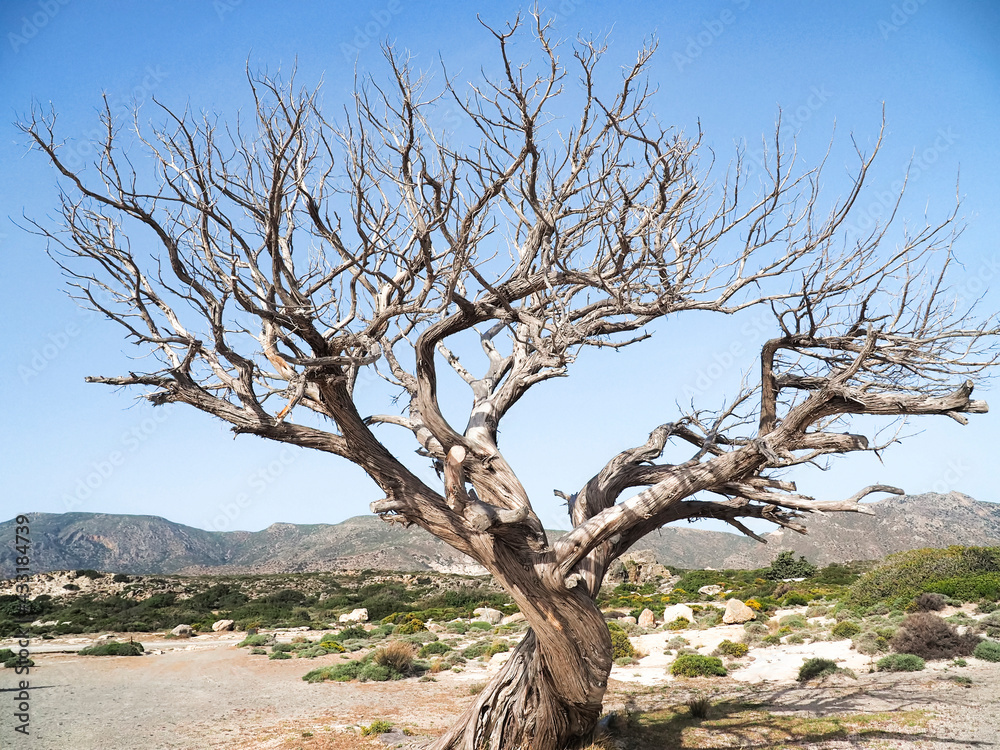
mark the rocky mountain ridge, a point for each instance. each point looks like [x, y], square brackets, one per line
[150, 544]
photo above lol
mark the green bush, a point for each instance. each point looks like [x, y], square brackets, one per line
[845, 629]
[793, 621]
[816, 667]
[286, 647]
[410, 626]
[795, 599]
[258, 651]
[480, 625]
[696, 665]
[379, 726]
[959, 572]
[900, 663]
[113, 648]
[346, 634]
[621, 646]
[987, 651]
[255, 640]
[431, 649]
[786, 566]
[736, 650]
[279, 655]
[681, 623]
[336, 673]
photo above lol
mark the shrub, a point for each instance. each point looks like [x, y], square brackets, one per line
[816, 667]
[930, 637]
[900, 663]
[397, 656]
[258, 651]
[286, 647]
[431, 649]
[795, 638]
[113, 648]
[497, 647]
[255, 640]
[379, 726]
[736, 650]
[795, 599]
[817, 610]
[480, 624]
[793, 621]
[987, 651]
[475, 650]
[681, 623]
[337, 673]
[413, 625]
[845, 629]
[621, 646]
[870, 643]
[786, 566]
[372, 672]
[699, 707]
[347, 633]
[279, 655]
[755, 605]
[457, 627]
[696, 665]
[929, 602]
[771, 640]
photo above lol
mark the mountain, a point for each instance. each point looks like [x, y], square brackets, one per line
[150, 544]
[900, 523]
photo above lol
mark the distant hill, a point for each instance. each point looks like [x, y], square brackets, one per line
[150, 544]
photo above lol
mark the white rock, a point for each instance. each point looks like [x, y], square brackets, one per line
[485, 614]
[678, 610]
[647, 619]
[358, 615]
[510, 619]
[737, 612]
[184, 631]
[711, 590]
[219, 625]
[630, 620]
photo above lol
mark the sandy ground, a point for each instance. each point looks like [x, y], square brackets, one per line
[204, 693]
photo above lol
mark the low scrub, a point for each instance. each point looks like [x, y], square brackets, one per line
[113, 648]
[621, 646]
[816, 667]
[396, 656]
[928, 636]
[845, 629]
[696, 665]
[987, 651]
[900, 663]
[255, 640]
[736, 650]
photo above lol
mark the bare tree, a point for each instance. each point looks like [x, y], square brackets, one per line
[294, 255]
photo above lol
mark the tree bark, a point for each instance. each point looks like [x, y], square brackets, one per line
[549, 693]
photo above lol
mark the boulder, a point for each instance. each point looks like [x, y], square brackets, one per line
[737, 612]
[628, 620]
[678, 610]
[712, 590]
[358, 615]
[106, 637]
[183, 631]
[511, 619]
[647, 619]
[220, 625]
[485, 614]
[636, 567]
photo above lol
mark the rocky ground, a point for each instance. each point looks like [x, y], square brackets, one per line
[206, 693]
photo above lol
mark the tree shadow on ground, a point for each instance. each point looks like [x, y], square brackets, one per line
[740, 725]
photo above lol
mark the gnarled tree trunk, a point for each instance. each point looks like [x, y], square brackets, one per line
[548, 694]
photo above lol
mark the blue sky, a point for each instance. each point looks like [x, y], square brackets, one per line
[728, 64]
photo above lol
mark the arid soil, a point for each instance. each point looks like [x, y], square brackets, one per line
[206, 693]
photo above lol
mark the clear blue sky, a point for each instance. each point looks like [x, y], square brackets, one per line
[728, 63]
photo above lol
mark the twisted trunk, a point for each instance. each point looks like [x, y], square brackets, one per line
[548, 695]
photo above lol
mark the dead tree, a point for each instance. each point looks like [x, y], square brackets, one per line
[295, 251]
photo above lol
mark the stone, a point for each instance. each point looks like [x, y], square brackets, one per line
[511, 619]
[712, 590]
[485, 614]
[678, 610]
[636, 567]
[220, 625]
[183, 631]
[737, 612]
[628, 620]
[358, 615]
[105, 637]
[647, 619]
